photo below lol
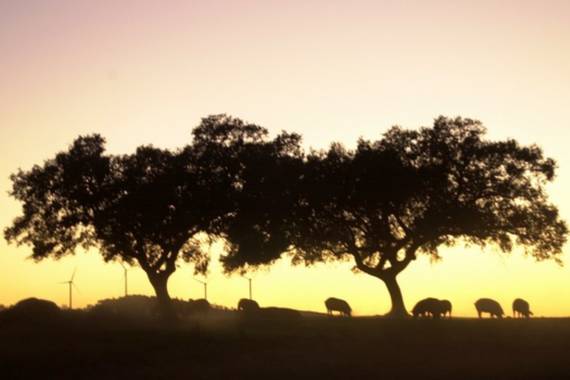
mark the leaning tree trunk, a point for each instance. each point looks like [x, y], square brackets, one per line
[159, 282]
[398, 309]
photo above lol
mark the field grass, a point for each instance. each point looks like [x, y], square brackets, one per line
[229, 347]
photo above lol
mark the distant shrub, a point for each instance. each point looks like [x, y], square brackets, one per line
[134, 306]
[31, 311]
[145, 307]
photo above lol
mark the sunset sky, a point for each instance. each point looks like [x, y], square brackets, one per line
[146, 72]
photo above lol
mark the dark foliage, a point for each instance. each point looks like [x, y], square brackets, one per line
[410, 193]
[144, 208]
[259, 187]
[31, 311]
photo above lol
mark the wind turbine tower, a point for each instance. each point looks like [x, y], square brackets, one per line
[250, 292]
[71, 284]
[205, 283]
[125, 270]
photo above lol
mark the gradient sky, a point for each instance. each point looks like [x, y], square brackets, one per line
[145, 72]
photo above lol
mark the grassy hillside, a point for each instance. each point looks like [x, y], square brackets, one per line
[225, 345]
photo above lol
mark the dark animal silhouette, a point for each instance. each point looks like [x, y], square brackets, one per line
[445, 308]
[428, 307]
[521, 308]
[199, 306]
[487, 305]
[336, 304]
[247, 305]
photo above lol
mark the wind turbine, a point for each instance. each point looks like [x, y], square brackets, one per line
[249, 279]
[71, 284]
[205, 283]
[125, 269]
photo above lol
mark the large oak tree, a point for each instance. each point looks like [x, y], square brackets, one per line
[144, 208]
[412, 192]
[417, 190]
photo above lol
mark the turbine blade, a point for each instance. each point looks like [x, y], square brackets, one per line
[73, 275]
[76, 288]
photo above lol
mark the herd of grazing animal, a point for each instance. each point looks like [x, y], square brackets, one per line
[426, 308]
[434, 308]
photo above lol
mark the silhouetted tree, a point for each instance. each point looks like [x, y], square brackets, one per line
[388, 200]
[415, 191]
[352, 204]
[260, 188]
[143, 208]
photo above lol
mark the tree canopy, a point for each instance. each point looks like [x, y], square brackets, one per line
[261, 177]
[414, 191]
[144, 208]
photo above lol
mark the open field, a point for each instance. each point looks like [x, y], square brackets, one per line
[314, 347]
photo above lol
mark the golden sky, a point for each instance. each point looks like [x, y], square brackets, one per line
[145, 72]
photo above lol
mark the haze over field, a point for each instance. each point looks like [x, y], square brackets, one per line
[139, 72]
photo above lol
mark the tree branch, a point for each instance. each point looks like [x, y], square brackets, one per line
[171, 262]
[407, 231]
[398, 266]
[363, 267]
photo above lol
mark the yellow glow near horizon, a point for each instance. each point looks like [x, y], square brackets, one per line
[139, 72]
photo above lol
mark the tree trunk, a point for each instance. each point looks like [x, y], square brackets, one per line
[398, 308]
[160, 284]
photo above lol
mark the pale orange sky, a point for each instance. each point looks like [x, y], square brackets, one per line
[142, 72]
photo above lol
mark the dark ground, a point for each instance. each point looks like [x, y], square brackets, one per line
[313, 348]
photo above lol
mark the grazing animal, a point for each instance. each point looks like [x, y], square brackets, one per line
[521, 308]
[428, 307]
[336, 304]
[487, 305]
[247, 305]
[199, 306]
[445, 308]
